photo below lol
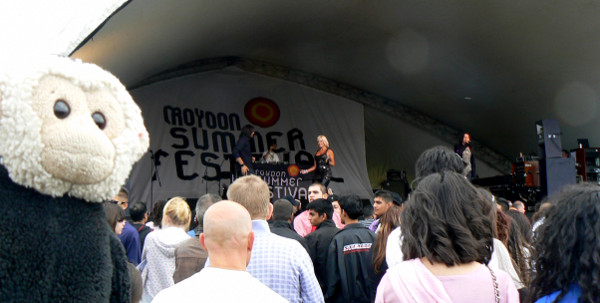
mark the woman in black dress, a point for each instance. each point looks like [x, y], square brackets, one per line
[324, 160]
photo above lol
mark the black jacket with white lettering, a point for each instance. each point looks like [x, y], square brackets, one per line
[350, 265]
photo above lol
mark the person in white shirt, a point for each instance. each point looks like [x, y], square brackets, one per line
[228, 238]
[270, 156]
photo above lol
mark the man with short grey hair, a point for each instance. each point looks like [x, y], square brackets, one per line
[190, 256]
[280, 263]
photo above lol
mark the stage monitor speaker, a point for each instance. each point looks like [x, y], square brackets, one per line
[396, 175]
[400, 187]
[548, 139]
[555, 173]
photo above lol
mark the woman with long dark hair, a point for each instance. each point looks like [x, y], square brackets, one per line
[389, 221]
[446, 242]
[566, 249]
[115, 216]
[324, 160]
[463, 149]
[519, 243]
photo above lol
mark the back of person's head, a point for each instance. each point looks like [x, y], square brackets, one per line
[352, 206]
[566, 247]
[521, 223]
[438, 159]
[391, 218]
[253, 194]
[177, 213]
[486, 194]
[518, 246]
[227, 226]
[204, 202]
[386, 195]
[123, 194]
[367, 209]
[519, 205]
[137, 211]
[542, 208]
[282, 210]
[137, 287]
[157, 213]
[247, 130]
[321, 206]
[114, 214]
[504, 204]
[447, 221]
[502, 226]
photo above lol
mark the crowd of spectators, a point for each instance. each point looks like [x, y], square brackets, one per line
[448, 241]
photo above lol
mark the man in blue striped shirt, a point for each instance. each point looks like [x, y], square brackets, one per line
[280, 263]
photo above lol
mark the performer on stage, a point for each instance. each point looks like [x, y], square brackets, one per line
[242, 152]
[463, 149]
[324, 160]
[270, 156]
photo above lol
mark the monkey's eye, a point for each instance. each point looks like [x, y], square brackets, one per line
[99, 119]
[61, 109]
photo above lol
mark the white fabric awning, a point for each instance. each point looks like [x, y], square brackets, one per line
[54, 27]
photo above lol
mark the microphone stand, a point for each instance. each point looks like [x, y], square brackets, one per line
[220, 174]
[204, 179]
[153, 173]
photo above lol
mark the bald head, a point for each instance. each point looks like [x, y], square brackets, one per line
[227, 235]
[226, 221]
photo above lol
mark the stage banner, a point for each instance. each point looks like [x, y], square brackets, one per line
[194, 122]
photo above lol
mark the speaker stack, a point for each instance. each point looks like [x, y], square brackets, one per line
[555, 171]
[397, 182]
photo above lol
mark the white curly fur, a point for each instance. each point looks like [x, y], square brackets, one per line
[20, 127]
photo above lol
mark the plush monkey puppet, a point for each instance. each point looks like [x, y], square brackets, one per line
[69, 136]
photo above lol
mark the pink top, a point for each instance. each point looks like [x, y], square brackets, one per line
[302, 223]
[411, 281]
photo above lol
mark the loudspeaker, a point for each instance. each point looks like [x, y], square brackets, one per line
[395, 175]
[531, 170]
[401, 187]
[548, 139]
[555, 173]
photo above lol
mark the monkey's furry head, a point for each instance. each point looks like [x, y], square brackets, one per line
[68, 127]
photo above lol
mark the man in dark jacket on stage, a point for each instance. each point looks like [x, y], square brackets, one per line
[320, 212]
[349, 263]
[242, 152]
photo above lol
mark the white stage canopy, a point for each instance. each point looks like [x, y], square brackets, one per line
[52, 27]
[195, 120]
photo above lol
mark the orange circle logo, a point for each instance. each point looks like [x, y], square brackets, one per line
[293, 170]
[262, 112]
